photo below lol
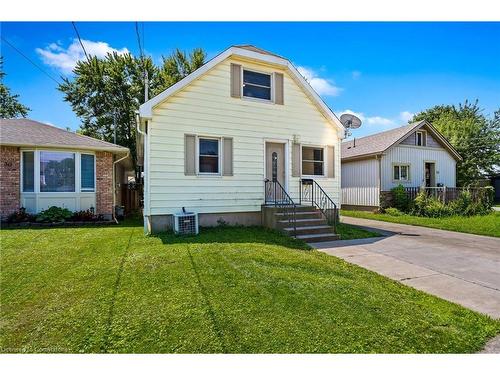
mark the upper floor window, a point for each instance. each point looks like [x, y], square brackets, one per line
[420, 139]
[256, 85]
[208, 158]
[313, 161]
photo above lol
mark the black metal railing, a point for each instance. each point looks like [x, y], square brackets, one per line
[311, 193]
[276, 195]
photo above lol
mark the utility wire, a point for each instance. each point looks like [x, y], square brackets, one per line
[139, 40]
[80, 40]
[141, 51]
[27, 58]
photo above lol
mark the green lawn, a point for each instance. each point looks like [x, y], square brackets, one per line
[350, 232]
[111, 289]
[488, 225]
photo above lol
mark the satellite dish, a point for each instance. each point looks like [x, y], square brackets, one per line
[350, 121]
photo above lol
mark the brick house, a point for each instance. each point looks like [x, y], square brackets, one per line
[75, 171]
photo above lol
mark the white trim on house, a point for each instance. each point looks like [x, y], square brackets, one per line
[146, 109]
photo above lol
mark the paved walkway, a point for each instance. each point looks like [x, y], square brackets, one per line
[459, 267]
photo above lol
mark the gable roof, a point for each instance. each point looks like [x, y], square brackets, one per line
[253, 53]
[379, 143]
[30, 133]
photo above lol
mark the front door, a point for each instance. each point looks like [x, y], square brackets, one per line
[275, 162]
[430, 175]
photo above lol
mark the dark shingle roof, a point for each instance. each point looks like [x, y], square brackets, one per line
[25, 132]
[376, 143]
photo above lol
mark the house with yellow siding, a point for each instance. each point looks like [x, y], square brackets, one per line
[243, 133]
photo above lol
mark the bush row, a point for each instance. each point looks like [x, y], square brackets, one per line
[53, 215]
[429, 206]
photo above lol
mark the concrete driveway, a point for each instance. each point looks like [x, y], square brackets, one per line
[459, 267]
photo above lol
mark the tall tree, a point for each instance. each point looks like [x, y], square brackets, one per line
[104, 90]
[10, 107]
[475, 137]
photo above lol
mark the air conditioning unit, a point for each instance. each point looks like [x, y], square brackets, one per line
[186, 223]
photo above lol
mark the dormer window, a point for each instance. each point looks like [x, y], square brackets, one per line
[420, 139]
[256, 85]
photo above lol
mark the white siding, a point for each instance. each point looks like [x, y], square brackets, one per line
[416, 157]
[205, 107]
[360, 183]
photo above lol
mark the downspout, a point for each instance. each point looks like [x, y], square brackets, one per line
[114, 183]
[147, 212]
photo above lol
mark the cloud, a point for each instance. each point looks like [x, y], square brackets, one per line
[378, 121]
[356, 74]
[322, 86]
[65, 59]
[406, 116]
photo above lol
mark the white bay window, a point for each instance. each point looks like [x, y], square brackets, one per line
[48, 171]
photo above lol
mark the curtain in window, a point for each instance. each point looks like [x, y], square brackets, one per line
[87, 172]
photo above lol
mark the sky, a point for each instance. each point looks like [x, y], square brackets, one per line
[383, 72]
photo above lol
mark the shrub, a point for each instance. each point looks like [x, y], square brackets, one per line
[425, 205]
[20, 216]
[85, 215]
[393, 211]
[54, 215]
[400, 198]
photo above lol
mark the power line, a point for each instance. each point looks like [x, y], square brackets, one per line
[80, 40]
[27, 58]
[139, 40]
[145, 72]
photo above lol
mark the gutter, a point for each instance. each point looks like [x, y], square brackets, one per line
[115, 150]
[114, 183]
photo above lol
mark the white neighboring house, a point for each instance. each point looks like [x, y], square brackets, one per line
[210, 140]
[415, 155]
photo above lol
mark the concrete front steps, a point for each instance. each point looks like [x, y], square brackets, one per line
[311, 226]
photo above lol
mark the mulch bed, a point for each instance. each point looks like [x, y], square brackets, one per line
[60, 224]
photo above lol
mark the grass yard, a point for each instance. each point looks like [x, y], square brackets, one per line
[488, 225]
[350, 232]
[245, 290]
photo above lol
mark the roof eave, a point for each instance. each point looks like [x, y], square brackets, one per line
[116, 150]
[362, 156]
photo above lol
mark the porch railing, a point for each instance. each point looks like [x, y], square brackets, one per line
[276, 195]
[311, 193]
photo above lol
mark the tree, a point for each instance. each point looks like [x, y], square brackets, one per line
[476, 138]
[9, 105]
[104, 90]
